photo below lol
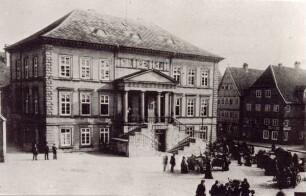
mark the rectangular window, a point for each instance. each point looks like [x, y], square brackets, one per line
[143, 64]
[265, 134]
[275, 108]
[85, 104]
[177, 74]
[274, 135]
[286, 123]
[266, 121]
[190, 106]
[35, 66]
[65, 103]
[268, 93]
[203, 132]
[18, 69]
[26, 68]
[249, 107]
[35, 97]
[204, 77]
[222, 100]
[159, 65]
[104, 135]
[178, 107]
[257, 107]
[104, 69]
[85, 136]
[236, 115]
[125, 62]
[236, 100]
[275, 122]
[191, 76]
[204, 107]
[65, 66]
[26, 102]
[231, 101]
[285, 136]
[104, 105]
[267, 107]
[258, 93]
[66, 137]
[190, 131]
[85, 68]
[287, 108]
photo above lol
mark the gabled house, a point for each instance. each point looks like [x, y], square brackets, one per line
[274, 107]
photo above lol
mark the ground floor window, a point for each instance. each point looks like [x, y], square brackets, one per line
[203, 132]
[265, 134]
[274, 135]
[285, 136]
[190, 131]
[104, 135]
[85, 136]
[65, 136]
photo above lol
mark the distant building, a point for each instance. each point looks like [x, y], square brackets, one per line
[88, 79]
[232, 89]
[274, 108]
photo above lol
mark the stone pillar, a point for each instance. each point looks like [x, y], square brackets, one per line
[198, 106]
[173, 105]
[125, 106]
[142, 106]
[183, 106]
[158, 105]
[167, 106]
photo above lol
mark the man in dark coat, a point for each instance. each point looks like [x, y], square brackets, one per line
[172, 162]
[214, 189]
[295, 160]
[46, 152]
[208, 174]
[239, 159]
[201, 189]
[245, 188]
[184, 169]
[54, 149]
[35, 152]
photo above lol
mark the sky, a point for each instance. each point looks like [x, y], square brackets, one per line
[260, 33]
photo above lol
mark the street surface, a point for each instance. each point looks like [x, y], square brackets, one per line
[83, 173]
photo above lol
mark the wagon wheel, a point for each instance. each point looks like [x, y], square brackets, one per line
[298, 178]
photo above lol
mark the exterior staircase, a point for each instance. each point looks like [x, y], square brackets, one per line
[188, 146]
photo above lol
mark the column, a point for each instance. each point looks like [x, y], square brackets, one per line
[142, 106]
[158, 105]
[166, 106]
[125, 106]
[173, 105]
[198, 106]
[183, 105]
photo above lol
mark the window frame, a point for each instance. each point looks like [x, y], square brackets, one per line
[108, 104]
[85, 132]
[275, 108]
[285, 136]
[268, 93]
[267, 121]
[35, 66]
[274, 135]
[203, 132]
[204, 106]
[104, 65]
[191, 101]
[61, 75]
[177, 74]
[65, 103]
[205, 77]
[178, 103]
[267, 107]
[275, 122]
[63, 145]
[18, 69]
[191, 76]
[265, 134]
[248, 107]
[85, 68]
[257, 107]
[190, 130]
[26, 67]
[104, 131]
[86, 101]
[258, 93]
[35, 102]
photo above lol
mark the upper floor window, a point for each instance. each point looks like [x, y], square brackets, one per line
[204, 107]
[18, 69]
[125, 62]
[178, 107]
[204, 77]
[267, 107]
[26, 106]
[236, 100]
[104, 105]
[222, 100]
[287, 108]
[275, 108]
[65, 66]
[177, 74]
[231, 101]
[257, 107]
[35, 97]
[249, 107]
[266, 121]
[203, 132]
[190, 131]
[85, 68]
[191, 76]
[143, 64]
[258, 93]
[286, 123]
[26, 68]
[65, 103]
[275, 122]
[104, 69]
[85, 103]
[268, 93]
[190, 106]
[285, 136]
[35, 66]
[159, 65]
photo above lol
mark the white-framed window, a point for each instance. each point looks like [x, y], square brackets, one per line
[286, 123]
[104, 105]
[143, 64]
[268, 93]
[104, 69]
[35, 97]
[122, 62]
[104, 135]
[287, 108]
[204, 107]
[190, 106]
[190, 131]
[26, 67]
[204, 77]
[158, 65]
[265, 134]
[258, 93]
[85, 67]
[35, 66]
[266, 121]
[249, 107]
[191, 76]
[236, 100]
[178, 107]
[18, 69]
[267, 107]
[177, 74]
[85, 103]
[65, 136]
[275, 122]
[85, 136]
[274, 135]
[26, 102]
[275, 108]
[285, 136]
[257, 107]
[65, 103]
[236, 115]
[203, 132]
[65, 66]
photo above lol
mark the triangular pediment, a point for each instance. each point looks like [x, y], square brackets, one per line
[149, 76]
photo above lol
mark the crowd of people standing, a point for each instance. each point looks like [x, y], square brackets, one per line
[46, 151]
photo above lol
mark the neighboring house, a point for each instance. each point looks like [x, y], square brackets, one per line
[233, 86]
[274, 111]
[89, 78]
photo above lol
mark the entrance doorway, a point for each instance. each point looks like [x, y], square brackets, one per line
[160, 136]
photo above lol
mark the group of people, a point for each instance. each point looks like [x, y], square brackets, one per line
[46, 151]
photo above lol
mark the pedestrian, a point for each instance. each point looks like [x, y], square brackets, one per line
[46, 152]
[54, 149]
[239, 159]
[214, 189]
[201, 189]
[273, 147]
[208, 174]
[245, 188]
[295, 160]
[184, 169]
[35, 152]
[165, 161]
[172, 163]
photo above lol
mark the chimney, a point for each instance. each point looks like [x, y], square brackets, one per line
[297, 65]
[280, 65]
[245, 67]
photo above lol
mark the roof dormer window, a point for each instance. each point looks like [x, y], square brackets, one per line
[98, 32]
[133, 35]
[166, 39]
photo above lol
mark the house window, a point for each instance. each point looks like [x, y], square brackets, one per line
[85, 68]
[204, 77]
[267, 107]
[265, 134]
[104, 105]
[249, 107]
[35, 66]
[204, 107]
[285, 136]
[26, 102]
[275, 122]
[222, 100]
[65, 103]
[274, 135]
[65, 66]
[287, 108]
[266, 121]
[275, 108]
[35, 102]
[104, 69]
[191, 76]
[257, 107]
[85, 136]
[178, 107]
[190, 106]
[159, 65]
[177, 74]
[236, 115]
[26, 68]
[190, 131]
[268, 93]
[143, 64]
[258, 93]
[18, 69]
[231, 101]
[125, 62]
[104, 135]
[85, 104]
[203, 132]
[236, 100]
[66, 137]
[286, 123]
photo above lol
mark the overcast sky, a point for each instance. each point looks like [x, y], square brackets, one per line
[259, 33]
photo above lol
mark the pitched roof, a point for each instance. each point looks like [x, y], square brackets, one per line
[90, 27]
[244, 80]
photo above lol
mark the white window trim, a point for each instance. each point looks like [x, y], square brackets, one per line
[285, 136]
[60, 103]
[193, 105]
[90, 100]
[105, 131]
[85, 131]
[204, 103]
[85, 68]
[266, 121]
[268, 93]
[204, 77]
[273, 134]
[189, 75]
[70, 66]
[100, 101]
[105, 69]
[249, 107]
[35, 66]
[275, 108]
[71, 136]
[275, 122]
[177, 73]
[267, 107]
[258, 93]
[265, 134]
[26, 68]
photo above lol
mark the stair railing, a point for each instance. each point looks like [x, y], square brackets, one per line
[181, 126]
